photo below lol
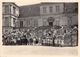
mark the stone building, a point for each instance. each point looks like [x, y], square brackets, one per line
[48, 14]
[10, 13]
[37, 15]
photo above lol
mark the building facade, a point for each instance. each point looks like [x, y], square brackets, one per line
[48, 14]
[10, 15]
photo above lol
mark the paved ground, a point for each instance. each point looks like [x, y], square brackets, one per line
[39, 50]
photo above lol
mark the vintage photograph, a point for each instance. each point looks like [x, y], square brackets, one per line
[52, 24]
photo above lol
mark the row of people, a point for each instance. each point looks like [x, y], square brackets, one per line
[19, 41]
[25, 38]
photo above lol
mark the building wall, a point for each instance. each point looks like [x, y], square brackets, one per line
[71, 7]
[9, 15]
[6, 20]
[58, 19]
[29, 22]
[73, 19]
[16, 10]
[56, 8]
[57, 12]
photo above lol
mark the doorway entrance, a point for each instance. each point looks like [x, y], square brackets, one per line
[50, 23]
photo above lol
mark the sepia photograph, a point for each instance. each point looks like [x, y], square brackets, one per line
[45, 25]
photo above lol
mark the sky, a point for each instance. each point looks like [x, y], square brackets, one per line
[28, 2]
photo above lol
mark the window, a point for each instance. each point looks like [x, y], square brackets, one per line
[44, 9]
[6, 9]
[35, 23]
[57, 8]
[3, 9]
[21, 23]
[6, 21]
[70, 20]
[50, 9]
[14, 10]
[28, 22]
[14, 21]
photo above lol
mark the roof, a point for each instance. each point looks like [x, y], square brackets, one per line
[29, 10]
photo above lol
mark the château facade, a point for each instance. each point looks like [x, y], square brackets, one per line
[37, 15]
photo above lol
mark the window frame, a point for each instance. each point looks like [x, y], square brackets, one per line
[51, 9]
[21, 23]
[57, 8]
[6, 9]
[44, 9]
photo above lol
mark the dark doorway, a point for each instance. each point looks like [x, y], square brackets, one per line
[50, 23]
[21, 23]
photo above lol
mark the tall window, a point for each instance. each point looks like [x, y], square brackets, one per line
[14, 21]
[44, 10]
[35, 23]
[50, 9]
[14, 10]
[28, 22]
[6, 21]
[57, 8]
[3, 10]
[6, 9]
[21, 23]
[70, 20]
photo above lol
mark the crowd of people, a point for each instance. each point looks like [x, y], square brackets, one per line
[48, 36]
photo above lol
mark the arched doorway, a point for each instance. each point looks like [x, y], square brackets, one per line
[50, 21]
